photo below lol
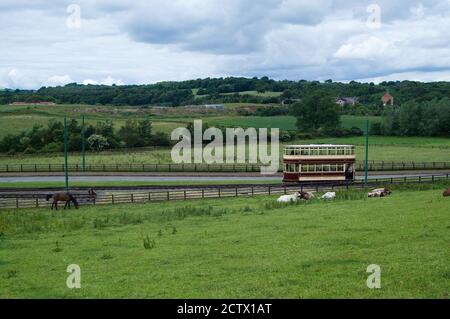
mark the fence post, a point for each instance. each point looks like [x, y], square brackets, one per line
[17, 203]
[269, 189]
[21, 167]
[37, 202]
[285, 191]
[168, 195]
[149, 196]
[35, 168]
[203, 193]
[132, 198]
[253, 193]
[184, 194]
[219, 192]
[112, 198]
[236, 192]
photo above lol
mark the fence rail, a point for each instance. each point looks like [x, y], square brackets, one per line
[48, 168]
[38, 200]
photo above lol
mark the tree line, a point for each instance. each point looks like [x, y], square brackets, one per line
[98, 137]
[317, 114]
[219, 90]
[428, 118]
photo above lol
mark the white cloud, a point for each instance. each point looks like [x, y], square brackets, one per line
[137, 41]
[370, 48]
[55, 80]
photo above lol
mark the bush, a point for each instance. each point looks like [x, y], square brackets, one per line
[376, 129]
[29, 150]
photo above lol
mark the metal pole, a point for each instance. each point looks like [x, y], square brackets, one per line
[83, 155]
[366, 166]
[65, 155]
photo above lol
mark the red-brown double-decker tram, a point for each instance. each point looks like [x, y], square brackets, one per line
[318, 162]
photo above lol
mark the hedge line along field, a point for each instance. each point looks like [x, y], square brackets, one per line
[408, 149]
[232, 248]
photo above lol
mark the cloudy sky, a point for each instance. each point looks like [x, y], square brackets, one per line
[48, 43]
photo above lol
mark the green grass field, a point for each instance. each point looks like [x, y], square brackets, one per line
[232, 248]
[13, 119]
[417, 149]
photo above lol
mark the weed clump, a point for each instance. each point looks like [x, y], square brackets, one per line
[149, 243]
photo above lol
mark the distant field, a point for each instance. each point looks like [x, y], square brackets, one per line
[14, 119]
[254, 93]
[283, 122]
[381, 148]
[232, 248]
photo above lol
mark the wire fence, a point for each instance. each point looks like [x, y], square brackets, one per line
[48, 168]
[39, 200]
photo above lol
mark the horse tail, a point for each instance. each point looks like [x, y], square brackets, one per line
[74, 200]
[48, 196]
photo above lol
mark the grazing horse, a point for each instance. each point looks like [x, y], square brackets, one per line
[62, 197]
[446, 193]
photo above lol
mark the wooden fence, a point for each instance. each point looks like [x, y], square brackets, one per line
[48, 168]
[38, 200]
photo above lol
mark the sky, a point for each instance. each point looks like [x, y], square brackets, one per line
[50, 43]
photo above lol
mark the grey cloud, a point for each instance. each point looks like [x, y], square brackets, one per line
[140, 41]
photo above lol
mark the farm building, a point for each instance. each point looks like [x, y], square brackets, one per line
[346, 101]
[387, 99]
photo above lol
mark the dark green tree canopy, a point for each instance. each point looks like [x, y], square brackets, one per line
[316, 112]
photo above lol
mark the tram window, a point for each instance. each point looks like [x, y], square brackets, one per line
[322, 151]
[340, 168]
[332, 151]
[347, 151]
[326, 168]
[314, 151]
[305, 151]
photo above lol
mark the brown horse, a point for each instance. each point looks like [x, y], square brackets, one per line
[446, 193]
[62, 197]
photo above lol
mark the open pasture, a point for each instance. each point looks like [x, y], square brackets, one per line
[232, 248]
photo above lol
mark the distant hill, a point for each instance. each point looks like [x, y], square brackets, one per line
[226, 90]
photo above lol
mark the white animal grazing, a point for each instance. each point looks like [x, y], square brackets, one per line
[328, 195]
[379, 192]
[288, 198]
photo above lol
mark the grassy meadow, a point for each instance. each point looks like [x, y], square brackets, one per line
[13, 119]
[232, 248]
[417, 149]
